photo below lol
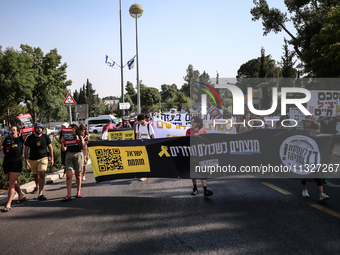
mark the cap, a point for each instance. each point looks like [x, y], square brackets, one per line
[108, 121]
[65, 124]
[38, 125]
[120, 120]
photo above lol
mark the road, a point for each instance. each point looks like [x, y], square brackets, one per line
[159, 216]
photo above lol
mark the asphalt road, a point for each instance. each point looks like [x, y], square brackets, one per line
[159, 216]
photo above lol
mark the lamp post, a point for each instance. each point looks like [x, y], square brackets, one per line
[136, 11]
[121, 53]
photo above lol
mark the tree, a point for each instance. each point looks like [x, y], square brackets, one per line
[50, 82]
[191, 77]
[168, 91]
[323, 56]
[129, 88]
[149, 96]
[287, 64]
[307, 17]
[16, 78]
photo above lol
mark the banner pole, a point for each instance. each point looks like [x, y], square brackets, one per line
[69, 109]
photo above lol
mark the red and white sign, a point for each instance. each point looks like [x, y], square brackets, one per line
[26, 123]
[69, 99]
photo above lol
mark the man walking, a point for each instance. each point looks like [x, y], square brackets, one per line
[37, 144]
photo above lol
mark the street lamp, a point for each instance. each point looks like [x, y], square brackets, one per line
[136, 11]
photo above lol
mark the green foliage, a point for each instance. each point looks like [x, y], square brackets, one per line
[130, 90]
[168, 91]
[323, 56]
[308, 17]
[149, 96]
[16, 78]
[95, 137]
[287, 64]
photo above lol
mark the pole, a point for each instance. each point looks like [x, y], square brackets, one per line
[69, 110]
[121, 53]
[138, 85]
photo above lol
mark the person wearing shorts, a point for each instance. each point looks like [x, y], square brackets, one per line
[12, 164]
[37, 144]
[74, 162]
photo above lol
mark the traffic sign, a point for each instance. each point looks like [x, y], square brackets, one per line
[124, 106]
[69, 99]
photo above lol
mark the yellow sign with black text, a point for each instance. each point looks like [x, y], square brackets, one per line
[108, 160]
[121, 134]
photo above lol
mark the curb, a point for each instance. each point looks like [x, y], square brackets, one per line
[28, 187]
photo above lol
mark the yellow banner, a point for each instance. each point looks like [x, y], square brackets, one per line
[122, 135]
[108, 160]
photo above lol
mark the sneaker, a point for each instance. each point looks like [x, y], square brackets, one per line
[84, 179]
[208, 193]
[323, 197]
[194, 192]
[35, 190]
[42, 197]
[305, 193]
[143, 179]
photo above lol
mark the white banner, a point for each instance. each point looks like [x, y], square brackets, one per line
[323, 102]
[296, 114]
[165, 129]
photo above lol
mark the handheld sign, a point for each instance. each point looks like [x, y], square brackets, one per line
[70, 137]
[26, 123]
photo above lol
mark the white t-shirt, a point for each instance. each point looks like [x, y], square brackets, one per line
[143, 131]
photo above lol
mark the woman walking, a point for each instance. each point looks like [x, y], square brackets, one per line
[12, 164]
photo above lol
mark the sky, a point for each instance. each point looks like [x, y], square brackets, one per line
[213, 36]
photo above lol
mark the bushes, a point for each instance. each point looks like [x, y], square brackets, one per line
[26, 174]
[95, 138]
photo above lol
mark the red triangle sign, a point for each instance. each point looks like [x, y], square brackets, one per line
[69, 99]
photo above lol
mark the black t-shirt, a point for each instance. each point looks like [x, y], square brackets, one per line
[76, 148]
[12, 148]
[328, 125]
[38, 146]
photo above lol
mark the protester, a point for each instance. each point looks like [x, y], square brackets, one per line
[120, 123]
[328, 126]
[147, 120]
[126, 124]
[62, 153]
[12, 164]
[109, 125]
[144, 131]
[86, 155]
[196, 130]
[74, 162]
[311, 125]
[37, 143]
[244, 127]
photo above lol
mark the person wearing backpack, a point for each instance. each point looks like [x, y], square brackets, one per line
[37, 143]
[144, 131]
[12, 164]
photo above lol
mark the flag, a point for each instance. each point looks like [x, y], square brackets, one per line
[109, 61]
[131, 63]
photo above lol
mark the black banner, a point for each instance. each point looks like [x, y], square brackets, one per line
[273, 153]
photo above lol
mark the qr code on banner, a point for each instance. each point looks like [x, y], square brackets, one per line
[116, 136]
[109, 160]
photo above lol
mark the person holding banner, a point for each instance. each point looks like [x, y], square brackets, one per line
[37, 143]
[85, 135]
[196, 130]
[245, 127]
[12, 164]
[312, 126]
[74, 162]
[144, 131]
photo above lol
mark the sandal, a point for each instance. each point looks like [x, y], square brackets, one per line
[23, 199]
[79, 195]
[7, 209]
[67, 198]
